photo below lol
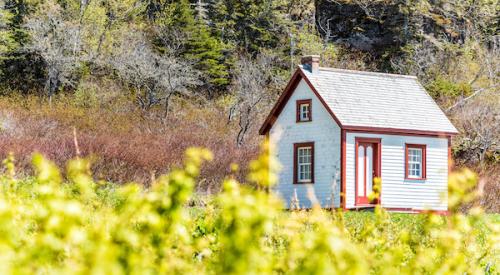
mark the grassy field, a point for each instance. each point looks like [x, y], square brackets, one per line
[65, 222]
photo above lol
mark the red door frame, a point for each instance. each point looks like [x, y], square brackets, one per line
[377, 165]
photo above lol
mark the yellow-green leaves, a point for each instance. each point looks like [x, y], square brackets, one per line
[377, 186]
[461, 189]
[47, 172]
[53, 225]
[263, 171]
[78, 173]
[194, 159]
[9, 166]
[244, 224]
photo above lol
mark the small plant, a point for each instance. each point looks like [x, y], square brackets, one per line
[68, 223]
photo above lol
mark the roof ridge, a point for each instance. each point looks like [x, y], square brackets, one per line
[350, 99]
[366, 72]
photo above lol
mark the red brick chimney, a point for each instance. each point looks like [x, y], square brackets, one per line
[310, 63]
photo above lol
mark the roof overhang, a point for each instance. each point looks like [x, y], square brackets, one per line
[290, 88]
[393, 131]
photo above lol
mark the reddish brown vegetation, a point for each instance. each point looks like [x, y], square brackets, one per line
[124, 145]
[490, 186]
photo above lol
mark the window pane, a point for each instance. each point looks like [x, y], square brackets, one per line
[304, 159]
[369, 169]
[414, 162]
[304, 111]
[361, 171]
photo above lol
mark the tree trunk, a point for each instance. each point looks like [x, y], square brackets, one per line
[230, 116]
[244, 126]
[52, 84]
[167, 104]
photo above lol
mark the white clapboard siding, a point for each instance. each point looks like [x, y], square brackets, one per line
[429, 194]
[325, 134]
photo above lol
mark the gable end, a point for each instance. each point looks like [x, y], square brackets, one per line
[285, 96]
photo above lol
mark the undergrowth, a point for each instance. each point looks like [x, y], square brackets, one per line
[125, 144]
[67, 222]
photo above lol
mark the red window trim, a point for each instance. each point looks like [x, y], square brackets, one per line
[301, 102]
[424, 160]
[296, 146]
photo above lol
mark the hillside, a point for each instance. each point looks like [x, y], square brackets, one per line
[136, 82]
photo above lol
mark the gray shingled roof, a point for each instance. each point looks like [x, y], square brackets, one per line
[366, 99]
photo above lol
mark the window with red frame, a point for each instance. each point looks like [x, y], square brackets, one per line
[303, 162]
[304, 111]
[415, 165]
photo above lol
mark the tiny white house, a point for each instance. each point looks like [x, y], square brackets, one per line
[337, 130]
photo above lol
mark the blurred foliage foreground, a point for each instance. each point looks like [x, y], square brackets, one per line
[54, 223]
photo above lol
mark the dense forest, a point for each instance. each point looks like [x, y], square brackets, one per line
[136, 82]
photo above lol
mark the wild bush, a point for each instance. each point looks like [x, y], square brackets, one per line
[124, 145]
[69, 223]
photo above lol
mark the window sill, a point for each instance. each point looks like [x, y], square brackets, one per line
[304, 182]
[415, 179]
[302, 121]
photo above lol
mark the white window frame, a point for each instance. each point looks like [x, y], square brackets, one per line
[304, 168]
[415, 158]
[415, 163]
[305, 111]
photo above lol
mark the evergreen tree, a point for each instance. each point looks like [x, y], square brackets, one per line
[249, 24]
[6, 36]
[8, 41]
[208, 53]
[21, 70]
[198, 44]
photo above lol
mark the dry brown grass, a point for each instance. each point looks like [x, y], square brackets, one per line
[490, 185]
[488, 189]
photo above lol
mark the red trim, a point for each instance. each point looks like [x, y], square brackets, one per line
[418, 211]
[392, 131]
[364, 177]
[290, 88]
[343, 170]
[320, 99]
[377, 166]
[394, 209]
[423, 147]
[296, 146]
[285, 96]
[300, 103]
[450, 160]
[280, 104]
[368, 140]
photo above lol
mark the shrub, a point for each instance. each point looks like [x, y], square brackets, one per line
[125, 144]
[444, 89]
[77, 225]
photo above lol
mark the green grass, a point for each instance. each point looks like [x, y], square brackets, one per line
[50, 224]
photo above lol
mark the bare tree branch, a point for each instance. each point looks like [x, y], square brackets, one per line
[59, 43]
[464, 100]
[155, 77]
[251, 87]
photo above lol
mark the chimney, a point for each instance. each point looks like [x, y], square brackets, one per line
[310, 63]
